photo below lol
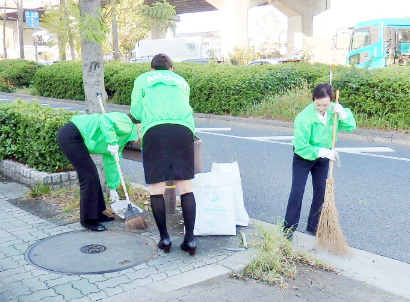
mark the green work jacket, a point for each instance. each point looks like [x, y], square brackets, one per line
[310, 133]
[101, 130]
[161, 97]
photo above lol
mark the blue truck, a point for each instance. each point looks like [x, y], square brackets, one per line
[379, 43]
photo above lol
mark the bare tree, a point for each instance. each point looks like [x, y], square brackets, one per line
[20, 11]
[4, 30]
[70, 36]
[114, 31]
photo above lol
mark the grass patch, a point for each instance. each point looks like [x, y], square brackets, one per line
[67, 201]
[27, 90]
[285, 106]
[277, 261]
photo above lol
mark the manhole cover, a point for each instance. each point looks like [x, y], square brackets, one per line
[82, 252]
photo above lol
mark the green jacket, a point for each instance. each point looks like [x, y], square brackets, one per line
[161, 97]
[310, 133]
[101, 130]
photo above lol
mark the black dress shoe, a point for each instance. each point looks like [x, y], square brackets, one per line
[311, 231]
[189, 246]
[93, 225]
[165, 244]
[102, 217]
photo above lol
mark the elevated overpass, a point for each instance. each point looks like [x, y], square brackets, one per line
[300, 15]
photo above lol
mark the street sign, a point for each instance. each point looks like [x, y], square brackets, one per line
[32, 19]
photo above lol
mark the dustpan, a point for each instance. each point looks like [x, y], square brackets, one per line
[119, 207]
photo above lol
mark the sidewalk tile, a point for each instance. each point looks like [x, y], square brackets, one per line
[7, 263]
[34, 284]
[129, 286]
[85, 286]
[112, 291]
[38, 296]
[97, 296]
[17, 289]
[113, 282]
[68, 291]
[62, 280]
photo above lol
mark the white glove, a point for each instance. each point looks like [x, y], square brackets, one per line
[114, 195]
[337, 108]
[113, 149]
[327, 153]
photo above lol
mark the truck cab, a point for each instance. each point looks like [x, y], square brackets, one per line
[379, 43]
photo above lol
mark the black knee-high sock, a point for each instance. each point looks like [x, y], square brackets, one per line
[188, 211]
[158, 209]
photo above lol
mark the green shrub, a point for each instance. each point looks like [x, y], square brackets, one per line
[28, 134]
[16, 73]
[381, 97]
[62, 80]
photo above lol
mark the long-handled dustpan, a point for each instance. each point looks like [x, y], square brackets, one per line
[118, 207]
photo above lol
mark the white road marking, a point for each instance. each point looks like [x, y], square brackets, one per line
[358, 151]
[4, 99]
[213, 129]
[364, 149]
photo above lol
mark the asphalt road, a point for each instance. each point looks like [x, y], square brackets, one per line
[371, 188]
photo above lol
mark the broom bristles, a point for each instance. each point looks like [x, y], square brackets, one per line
[137, 223]
[329, 234]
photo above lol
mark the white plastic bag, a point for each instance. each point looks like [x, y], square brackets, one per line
[215, 209]
[241, 216]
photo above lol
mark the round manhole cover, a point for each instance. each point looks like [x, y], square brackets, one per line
[91, 252]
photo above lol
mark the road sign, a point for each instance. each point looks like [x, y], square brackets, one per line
[32, 19]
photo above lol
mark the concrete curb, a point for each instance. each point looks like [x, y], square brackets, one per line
[384, 137]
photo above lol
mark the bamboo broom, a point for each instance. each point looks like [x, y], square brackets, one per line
[329, 234]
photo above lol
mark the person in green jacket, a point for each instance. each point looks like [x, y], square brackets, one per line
[312, 141]
[105, 134]
[160, 100]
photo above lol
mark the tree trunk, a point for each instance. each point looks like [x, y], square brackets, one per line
[4, 31]
[70, 36]
[61, 49]
[115, 32]
[92, 66]
[20, 27]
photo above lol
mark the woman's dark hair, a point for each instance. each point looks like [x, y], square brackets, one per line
[161, 62]
[322, 90]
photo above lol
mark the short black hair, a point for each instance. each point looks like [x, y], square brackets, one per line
[161, 62]
[133, 119]
[322, 90]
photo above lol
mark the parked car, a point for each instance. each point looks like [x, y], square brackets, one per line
[48, 62]
[200, 61]
[140, 60]
[265, 61]
[294, 56]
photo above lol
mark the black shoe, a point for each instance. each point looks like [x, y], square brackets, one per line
[288, 234]
[165, 244]
[189, 246]
[92, 225]
[102, 217]
[311, 231]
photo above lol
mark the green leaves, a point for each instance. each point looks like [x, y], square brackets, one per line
[92, 28]
[28, 135]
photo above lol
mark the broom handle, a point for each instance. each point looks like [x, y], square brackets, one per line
[101, 102]
[333, 134]
[117, 161]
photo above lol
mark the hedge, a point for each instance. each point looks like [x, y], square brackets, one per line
[228, 89]
[28, 135]
[382, 93]
[63, 80]
[16, 73]
[215, 88]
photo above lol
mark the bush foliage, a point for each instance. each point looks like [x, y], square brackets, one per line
[16, 73]
[378, 94]
[28, 134]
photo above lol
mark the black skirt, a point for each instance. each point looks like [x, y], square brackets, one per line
[168, 153]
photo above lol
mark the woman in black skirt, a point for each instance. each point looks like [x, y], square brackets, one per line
[160, 100]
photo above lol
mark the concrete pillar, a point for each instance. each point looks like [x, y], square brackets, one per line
[160, 33]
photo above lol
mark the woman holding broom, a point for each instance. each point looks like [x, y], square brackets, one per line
[312, 141]
[160, 100]
[104, 134]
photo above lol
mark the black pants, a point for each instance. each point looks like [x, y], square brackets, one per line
[300, 170]
[72, 144]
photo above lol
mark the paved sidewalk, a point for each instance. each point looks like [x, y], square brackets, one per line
[166, 277]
